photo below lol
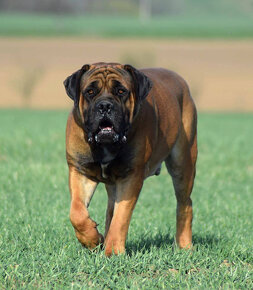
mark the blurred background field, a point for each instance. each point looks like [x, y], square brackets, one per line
[208, 42]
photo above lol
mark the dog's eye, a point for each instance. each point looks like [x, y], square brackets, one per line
[121, 92]
[90, 92]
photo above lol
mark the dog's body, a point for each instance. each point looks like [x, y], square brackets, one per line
[119, 133]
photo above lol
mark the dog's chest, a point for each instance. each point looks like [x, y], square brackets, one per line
[104, 172]
[107, 168]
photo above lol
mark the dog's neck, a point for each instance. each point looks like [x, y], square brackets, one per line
[108, 155]
[105, 154]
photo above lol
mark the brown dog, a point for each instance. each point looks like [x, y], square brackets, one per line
[124, 124]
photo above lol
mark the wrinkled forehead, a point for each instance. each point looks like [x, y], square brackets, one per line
[106, 75]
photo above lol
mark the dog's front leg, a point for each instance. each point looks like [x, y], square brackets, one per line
[82, 189]
[127, 193]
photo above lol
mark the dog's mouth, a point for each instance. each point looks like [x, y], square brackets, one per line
[106, 127]
[106, 133]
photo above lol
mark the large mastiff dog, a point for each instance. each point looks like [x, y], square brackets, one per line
[124, 124]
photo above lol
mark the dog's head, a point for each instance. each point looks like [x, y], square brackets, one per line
[107, 97]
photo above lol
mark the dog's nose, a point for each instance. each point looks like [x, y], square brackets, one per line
[104, 107]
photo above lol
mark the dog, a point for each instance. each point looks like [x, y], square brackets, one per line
[125, 122]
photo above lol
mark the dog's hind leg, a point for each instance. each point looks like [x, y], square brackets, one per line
[181, 166]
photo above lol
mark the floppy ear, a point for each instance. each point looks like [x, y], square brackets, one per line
[72, 84]
[142, 84]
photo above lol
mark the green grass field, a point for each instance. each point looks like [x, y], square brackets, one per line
[207, 25]
[38, 247]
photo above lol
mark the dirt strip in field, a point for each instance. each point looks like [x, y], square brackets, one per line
[219, 73]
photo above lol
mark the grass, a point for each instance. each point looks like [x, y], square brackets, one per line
[38, 248]
[204, 25]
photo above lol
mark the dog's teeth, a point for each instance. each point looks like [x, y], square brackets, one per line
[90, 140]
[96, 138]
[107, 129]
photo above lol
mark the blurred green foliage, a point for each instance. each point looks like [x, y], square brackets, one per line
[132, 7]
[111, 18]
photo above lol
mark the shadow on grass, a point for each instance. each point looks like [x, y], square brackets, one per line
[207, 240]
[147, 242]
[161, 240]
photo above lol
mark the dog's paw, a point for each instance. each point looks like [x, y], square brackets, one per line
[114, 247]
[90, 238]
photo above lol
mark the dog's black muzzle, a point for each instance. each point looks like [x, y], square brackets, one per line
[107, 123]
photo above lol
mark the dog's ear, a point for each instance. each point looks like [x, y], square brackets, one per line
[142, 84]
[72, 84]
